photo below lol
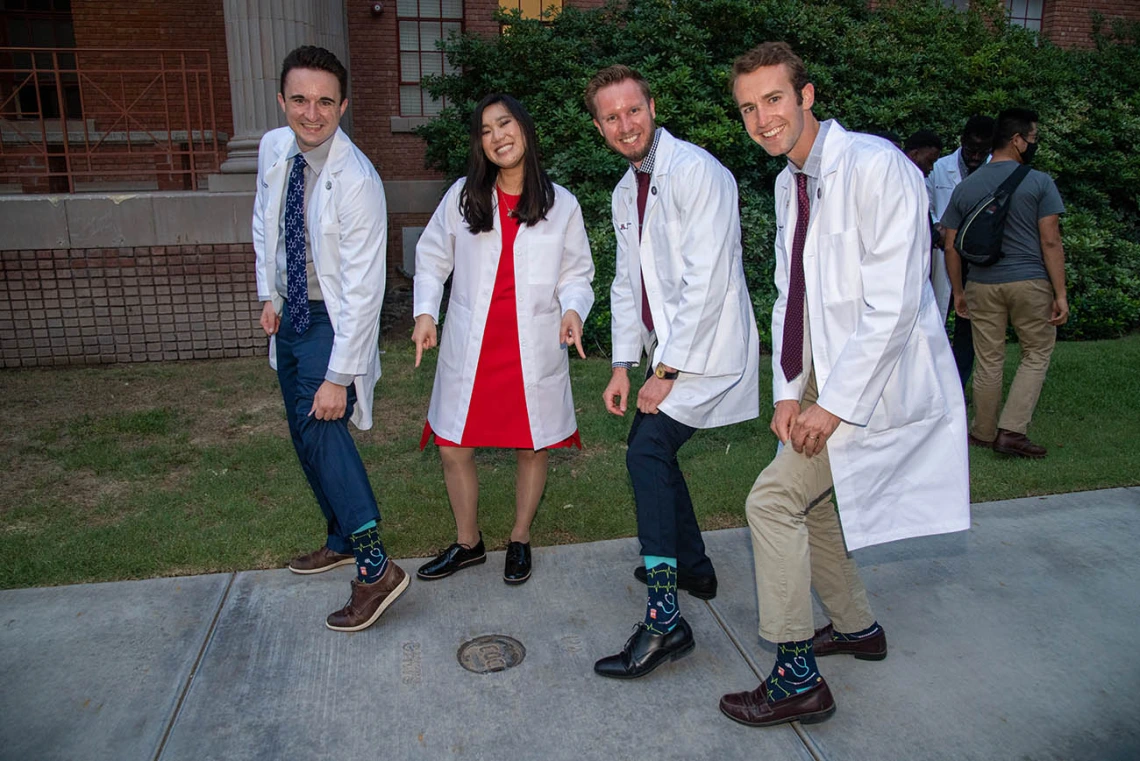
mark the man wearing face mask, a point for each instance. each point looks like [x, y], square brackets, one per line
[1025, 288]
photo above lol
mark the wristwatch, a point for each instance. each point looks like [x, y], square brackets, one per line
[663, 374]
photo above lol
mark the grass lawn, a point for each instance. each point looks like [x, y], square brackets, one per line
[180, 468]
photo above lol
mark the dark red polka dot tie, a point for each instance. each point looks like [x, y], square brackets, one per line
[792, 348]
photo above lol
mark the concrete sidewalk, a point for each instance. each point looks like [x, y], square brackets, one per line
[1015, 640]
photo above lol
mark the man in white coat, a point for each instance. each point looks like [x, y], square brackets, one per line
[679, 296]
[973, 151]
[867, 402]
[320, 235]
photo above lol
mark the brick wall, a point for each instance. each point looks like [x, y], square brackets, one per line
[164, 25]
[1068, 23]
[106, 305]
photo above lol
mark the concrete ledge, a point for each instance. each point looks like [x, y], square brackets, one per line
[105, 220]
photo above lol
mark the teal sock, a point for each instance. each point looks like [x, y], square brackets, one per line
[371, 560]
[661, 610]
[794, 672]
[870, 631]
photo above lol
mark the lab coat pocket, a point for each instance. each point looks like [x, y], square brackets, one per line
[543, 258]
[839, 256]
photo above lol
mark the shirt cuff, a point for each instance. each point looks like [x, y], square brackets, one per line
[626, 365]
[341, 379]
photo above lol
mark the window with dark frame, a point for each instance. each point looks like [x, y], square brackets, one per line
[1026, 13]
[422, 24]
[544, 10]
[38, 24]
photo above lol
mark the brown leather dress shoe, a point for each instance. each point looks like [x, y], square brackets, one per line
[320, 561]
[1018, 445]
[368, 601]
[756, 710]
[873, 648]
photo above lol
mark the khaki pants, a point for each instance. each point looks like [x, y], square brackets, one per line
[1027, 305]
[797, 544]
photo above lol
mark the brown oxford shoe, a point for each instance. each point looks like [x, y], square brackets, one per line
[754, 709]
[319, 561]
[368, 601]
[1018, 445]
[873, 648]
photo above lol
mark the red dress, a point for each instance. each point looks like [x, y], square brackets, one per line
[497, 415]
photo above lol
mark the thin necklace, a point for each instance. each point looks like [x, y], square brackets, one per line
[510, 209]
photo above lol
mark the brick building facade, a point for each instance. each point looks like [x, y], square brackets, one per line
[141, 273]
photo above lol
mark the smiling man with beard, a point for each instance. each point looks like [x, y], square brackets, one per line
[679, 296]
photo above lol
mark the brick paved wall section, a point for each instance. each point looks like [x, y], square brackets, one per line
[1068, 23]
[95, 306]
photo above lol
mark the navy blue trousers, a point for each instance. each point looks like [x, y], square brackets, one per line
[325, 447]
[666, 523]
[962, 344]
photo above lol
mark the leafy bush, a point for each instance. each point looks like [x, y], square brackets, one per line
[907, 65]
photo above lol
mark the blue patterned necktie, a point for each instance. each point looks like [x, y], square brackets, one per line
[297, 280]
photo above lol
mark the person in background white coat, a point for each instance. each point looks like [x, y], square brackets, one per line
[521, 287]
[867, 402]
[679, 296]
[948, 171]
[320, 232]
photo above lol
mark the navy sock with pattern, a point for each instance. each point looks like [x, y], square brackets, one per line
[661, 610]
[371, 560]
[870, 631]
[794, 672]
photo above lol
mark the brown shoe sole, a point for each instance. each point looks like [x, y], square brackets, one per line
[807, 718]
[322, 569]
[391, 598]
[1019, 453]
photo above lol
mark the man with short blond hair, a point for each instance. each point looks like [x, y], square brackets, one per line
[679, 298]
[860, 363]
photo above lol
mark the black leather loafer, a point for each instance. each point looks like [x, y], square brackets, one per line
[645, 651]
[518, 565]
[451, 560]
[701, 587]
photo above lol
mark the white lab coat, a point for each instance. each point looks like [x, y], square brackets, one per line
[881, 357]
[940, 184]
[553, 274]
[694, 275]
[347, 220]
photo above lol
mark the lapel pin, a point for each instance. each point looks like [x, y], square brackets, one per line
[819, 192]
[653, 190]
[328, 184]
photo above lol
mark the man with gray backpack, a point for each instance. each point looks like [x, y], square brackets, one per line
[1004, 220]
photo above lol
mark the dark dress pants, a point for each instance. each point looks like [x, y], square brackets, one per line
[325, 447]
[666, 524]
[962, 342]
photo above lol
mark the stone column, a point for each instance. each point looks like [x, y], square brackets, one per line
[259, 34]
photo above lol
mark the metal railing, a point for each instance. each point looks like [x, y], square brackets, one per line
[97, 118]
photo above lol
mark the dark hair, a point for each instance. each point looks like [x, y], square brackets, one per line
[477, 193]
[1010, 122]
[312, 57]
[979, 126]
[612, 75]
[773, 54]
[923, 138]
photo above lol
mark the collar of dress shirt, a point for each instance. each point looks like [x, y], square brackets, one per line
[315, 158]
[814, 163]
[647, 162]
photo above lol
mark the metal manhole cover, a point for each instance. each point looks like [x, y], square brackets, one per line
[491, 653]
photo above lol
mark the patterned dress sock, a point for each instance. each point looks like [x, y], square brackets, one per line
[661, 610]
[870, 631]
[794, 672]
[371, 560]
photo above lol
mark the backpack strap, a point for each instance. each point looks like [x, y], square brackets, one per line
[1013, 181]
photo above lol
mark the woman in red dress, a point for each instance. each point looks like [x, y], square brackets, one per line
[515, 246]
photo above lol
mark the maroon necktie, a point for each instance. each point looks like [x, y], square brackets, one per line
[642, 194]
[792, 349]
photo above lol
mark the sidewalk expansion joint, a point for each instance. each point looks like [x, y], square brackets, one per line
[809, 744]
[194, 667]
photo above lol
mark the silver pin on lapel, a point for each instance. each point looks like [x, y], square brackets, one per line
[653, 190]
[328, 184]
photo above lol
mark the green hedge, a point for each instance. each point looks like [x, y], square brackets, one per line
[909, 65]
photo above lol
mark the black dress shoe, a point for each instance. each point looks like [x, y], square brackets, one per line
[645, 651]
[517, 568]
[451, 560]
[701, 587]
